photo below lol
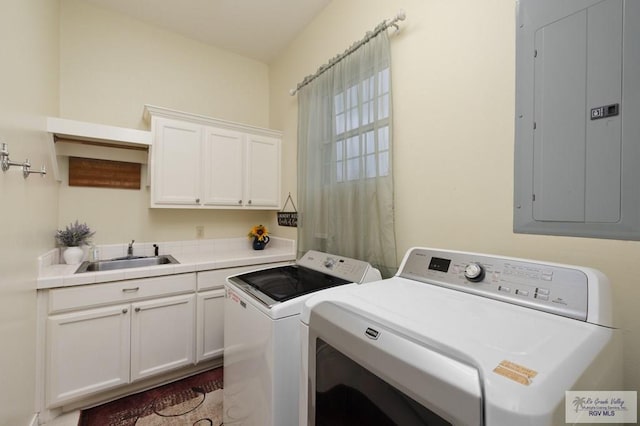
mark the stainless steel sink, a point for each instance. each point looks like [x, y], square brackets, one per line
[125, 263]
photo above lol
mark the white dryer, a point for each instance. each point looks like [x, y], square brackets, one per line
[458, 338]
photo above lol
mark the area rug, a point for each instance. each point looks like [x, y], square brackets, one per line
[194, 401]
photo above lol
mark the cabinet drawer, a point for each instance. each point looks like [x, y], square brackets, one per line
[218, 277]
[63, 299]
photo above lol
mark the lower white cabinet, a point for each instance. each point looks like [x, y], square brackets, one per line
[89, 350]
[210, 329]
[100, 337]
[162, 335]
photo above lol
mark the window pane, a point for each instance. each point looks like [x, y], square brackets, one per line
[352, 120]
[369, 143]
[340, 124]
[383, 81]
[367, 113]
[383, 106]
[383, 138]
[370, 166]
[383, 162]
[352, 97]
[353, 147]
[353, 169]
[363, 149]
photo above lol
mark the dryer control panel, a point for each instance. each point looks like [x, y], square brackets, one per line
[553, 288]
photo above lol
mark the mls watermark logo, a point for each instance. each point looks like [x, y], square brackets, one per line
[601, 406]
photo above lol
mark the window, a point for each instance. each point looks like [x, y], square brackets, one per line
[361, 125]
[345, 148]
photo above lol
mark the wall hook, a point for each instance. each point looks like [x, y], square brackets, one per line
[6, 163]
[26, 169]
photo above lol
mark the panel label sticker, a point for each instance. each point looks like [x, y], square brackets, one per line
[515, 372]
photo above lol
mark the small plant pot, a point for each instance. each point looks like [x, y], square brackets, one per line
[73, 255]
[260, 245]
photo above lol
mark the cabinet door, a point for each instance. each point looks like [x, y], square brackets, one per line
[263, 172]
[223, 167]
[87, 352]
[176, 157]
[210, 325]
[162, 335]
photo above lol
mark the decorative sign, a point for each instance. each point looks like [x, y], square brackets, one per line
[288, 218]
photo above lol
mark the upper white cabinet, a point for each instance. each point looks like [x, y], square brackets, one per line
[176, 163]
[225, 153]
[201, 162]
[260, 177]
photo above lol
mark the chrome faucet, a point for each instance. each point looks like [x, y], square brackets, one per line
[130, 249]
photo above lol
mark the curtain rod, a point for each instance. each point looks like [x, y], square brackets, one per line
[400, 16]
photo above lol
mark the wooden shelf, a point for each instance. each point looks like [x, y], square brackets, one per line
[98, 141]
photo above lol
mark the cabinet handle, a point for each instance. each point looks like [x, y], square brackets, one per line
[125, 310]
[239, 201]
[249, 201]
[137, 309]
[130, 290]
[197, 200]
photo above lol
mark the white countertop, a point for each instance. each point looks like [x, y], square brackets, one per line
[194, 256]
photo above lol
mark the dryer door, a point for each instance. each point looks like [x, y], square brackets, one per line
[361, 372]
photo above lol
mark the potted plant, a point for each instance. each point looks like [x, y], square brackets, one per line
[72, 237]
[260, 236]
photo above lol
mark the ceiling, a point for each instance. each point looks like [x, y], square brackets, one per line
[258, 29]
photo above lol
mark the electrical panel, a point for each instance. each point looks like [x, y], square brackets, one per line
[577, 141]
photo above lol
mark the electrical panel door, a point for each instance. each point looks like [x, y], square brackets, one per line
[576, 97]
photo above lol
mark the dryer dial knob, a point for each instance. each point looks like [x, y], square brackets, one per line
[329, 262]
[474, 272]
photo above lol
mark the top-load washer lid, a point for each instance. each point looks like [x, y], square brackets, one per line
[312, 272]
[286, 282]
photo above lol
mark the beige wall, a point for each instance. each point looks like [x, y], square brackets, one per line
[453, 82]
[111, 66]
[28, 208]
[453, 104]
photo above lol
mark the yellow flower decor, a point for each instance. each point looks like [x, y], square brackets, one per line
[260, 232]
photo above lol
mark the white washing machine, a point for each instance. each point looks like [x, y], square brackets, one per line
[458, 338]
[262, 335]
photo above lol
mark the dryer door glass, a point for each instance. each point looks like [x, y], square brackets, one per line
[362, 371]
[349, 394]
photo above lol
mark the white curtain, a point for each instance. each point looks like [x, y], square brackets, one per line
[345, 180]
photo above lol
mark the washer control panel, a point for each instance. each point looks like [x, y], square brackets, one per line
[348, 269]
[556, 289]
